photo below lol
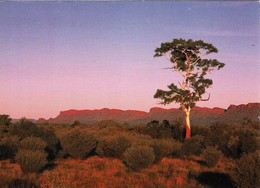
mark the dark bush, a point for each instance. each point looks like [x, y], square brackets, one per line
[21, 183]
[199, 130]
[193, 146]
[177, 149]
[162, 148]
[6, 152]
[79, 143]
[26, 128]
[9, 146]
[241, 141]
[31, 161]
[246, 172]
[211, 155]
[5, 120]
[139, 157]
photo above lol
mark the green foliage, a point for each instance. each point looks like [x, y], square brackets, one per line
[31, 161]
[186, 58]
[246, 172]
[79, 143]
[26, 128]
[233, 141]
[33, 144]
[162, 148]
[139, 157]
[211, 155]
[113, 146]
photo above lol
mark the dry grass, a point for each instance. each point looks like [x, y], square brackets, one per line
[106, 173]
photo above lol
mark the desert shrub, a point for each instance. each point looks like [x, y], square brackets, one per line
[210, 156]
[33, 143]
[31, 161]
[177, 147]
[248, 140]
[193, 146]
[8, 147]
[26, 128]
[6, 152]
[162, 148]
[222, 136]
[199, 130]
[5, 120]
[139, 157]
[156, 130]
[53, 143]
[141, 140]
[79, 143]
[241, 141]
[113, 146]
[246, 172]
[21, 183]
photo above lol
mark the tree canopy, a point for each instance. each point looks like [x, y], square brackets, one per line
[188, 59]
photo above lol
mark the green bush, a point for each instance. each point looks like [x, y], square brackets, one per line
[31, 161]
[246, 172]
[113, 146]
[211, 155]
[162, 148]
[33, 143]
[139, 157]
[26, 128]
[79, 143]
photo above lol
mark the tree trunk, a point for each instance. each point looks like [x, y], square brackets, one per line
[187, 118]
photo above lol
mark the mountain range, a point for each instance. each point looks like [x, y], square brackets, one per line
[199, 115]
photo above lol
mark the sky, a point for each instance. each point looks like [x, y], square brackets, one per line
[56, 56]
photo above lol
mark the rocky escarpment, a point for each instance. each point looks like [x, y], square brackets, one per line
[201, 116]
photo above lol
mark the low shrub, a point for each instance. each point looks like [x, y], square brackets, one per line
[6, 152]
[177, 147]
[31, 161]
[33, 143]
[211, 155]
[114, 146]
[162, 148]
[21, 183]
[79, 143]
[193, 146]
[8, 147]
[139, 157]
[246, 172]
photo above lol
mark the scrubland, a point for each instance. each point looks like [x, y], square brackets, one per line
[108, 154]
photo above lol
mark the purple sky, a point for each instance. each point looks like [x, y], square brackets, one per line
[89, 55]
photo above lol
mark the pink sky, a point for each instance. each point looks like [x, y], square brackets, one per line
[60, 56]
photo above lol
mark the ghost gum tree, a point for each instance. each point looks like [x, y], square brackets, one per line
[188, 59]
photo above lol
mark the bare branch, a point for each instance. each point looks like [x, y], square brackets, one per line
[206, 99]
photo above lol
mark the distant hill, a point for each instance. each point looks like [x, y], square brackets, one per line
[200, 116]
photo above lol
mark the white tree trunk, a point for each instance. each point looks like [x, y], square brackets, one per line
[187, 118]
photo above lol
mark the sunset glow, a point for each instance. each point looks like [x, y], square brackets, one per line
[57, 56]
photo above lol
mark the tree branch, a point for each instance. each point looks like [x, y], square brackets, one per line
[206, 99]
